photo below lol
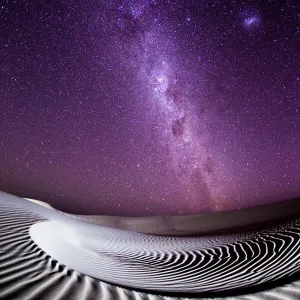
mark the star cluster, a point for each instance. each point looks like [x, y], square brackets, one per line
[150, 107]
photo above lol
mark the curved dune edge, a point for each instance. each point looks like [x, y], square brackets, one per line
[27, 272]
[218, 222]
[198, 224]
[172, 265]
[39, 202]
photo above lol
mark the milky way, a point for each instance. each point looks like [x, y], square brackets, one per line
[175, 117]
[150, 107]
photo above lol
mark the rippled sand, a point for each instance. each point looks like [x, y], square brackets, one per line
[47, 255]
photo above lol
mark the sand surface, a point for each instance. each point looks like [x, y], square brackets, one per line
[47, 255]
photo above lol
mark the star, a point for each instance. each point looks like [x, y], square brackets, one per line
[128, 102]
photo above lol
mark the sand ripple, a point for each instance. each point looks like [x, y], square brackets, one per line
[45, 255]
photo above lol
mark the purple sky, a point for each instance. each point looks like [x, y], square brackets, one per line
[150, 107]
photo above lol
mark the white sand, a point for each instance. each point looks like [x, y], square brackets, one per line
[155, 263]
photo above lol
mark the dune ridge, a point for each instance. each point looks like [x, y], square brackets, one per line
[199, 224]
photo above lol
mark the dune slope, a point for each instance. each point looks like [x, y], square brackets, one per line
[46, 255]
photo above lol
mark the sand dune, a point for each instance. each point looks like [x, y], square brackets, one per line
[200, 223]
[47, 255]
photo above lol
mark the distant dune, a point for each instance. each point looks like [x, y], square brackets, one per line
[218, 222]
[198, 224]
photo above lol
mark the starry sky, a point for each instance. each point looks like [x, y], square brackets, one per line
[150, 107]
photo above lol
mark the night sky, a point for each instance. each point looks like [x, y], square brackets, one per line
[150, 107]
